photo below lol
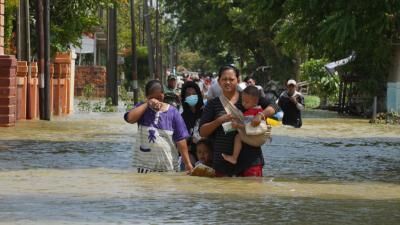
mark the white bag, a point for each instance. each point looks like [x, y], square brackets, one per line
[262, 128]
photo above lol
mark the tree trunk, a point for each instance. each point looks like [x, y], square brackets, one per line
[134, 54]
[112, 86]
[47, 111]
[394, 72]
[140, 25]
[296, 67]
[22, 20]
[157, 43]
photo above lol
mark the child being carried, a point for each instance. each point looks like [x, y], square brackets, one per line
[250, 97]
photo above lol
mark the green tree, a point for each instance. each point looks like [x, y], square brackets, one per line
[241, 29]
[332, 29]
[10, 16]
[70, 18]
[143, 69]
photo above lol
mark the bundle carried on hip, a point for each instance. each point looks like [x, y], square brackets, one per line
[254, 136]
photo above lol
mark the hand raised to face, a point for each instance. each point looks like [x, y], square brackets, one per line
[154, 104]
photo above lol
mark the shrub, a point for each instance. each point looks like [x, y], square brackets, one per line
[321, 83]
[312, 101]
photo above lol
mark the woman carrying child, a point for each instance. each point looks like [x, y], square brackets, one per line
[250, 161]
[250, 97]
[160, 129]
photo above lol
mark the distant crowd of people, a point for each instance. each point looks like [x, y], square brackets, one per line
[206, 120]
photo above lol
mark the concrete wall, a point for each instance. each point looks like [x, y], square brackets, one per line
[94, 75]
[2, 27]
[393, 85]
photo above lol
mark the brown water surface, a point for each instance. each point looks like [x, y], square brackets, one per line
[77, 170]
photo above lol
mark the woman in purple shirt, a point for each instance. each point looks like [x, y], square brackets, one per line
[160, 130]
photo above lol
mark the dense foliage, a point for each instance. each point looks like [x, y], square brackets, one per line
[331, 29]
[10, 14]
[280, 33]
[285, 33]
[239, 32]
[70, 18]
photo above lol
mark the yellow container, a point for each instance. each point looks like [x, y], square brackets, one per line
[273, 122]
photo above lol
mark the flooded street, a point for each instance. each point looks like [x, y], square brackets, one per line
[78, 170]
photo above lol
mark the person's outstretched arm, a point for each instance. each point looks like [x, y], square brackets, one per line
[270, 108]
[267, 112]
[183, 149]
[136, 113]
[208, 128]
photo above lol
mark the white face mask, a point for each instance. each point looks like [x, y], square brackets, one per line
[192, 100]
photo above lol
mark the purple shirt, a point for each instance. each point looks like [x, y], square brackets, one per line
[169, 120]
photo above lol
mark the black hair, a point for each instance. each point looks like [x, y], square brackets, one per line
[248, 78]
[152, 86]
[252, 91]
[228, 67]
[200, 103]
[206, 142]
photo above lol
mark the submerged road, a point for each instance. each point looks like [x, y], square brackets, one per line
[77, 170]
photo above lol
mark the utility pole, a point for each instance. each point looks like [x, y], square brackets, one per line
[160, 66]
[40, 52]
[134, 54]
[148, 37]
[28, 53]
[112, 86]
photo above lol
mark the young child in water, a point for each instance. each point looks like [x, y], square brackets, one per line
[203, 166]
[204, 152]
[250, 97]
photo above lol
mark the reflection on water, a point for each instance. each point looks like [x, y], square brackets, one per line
[77, 170]
[106, 195]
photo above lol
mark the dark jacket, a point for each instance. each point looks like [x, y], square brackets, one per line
[291, 112]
